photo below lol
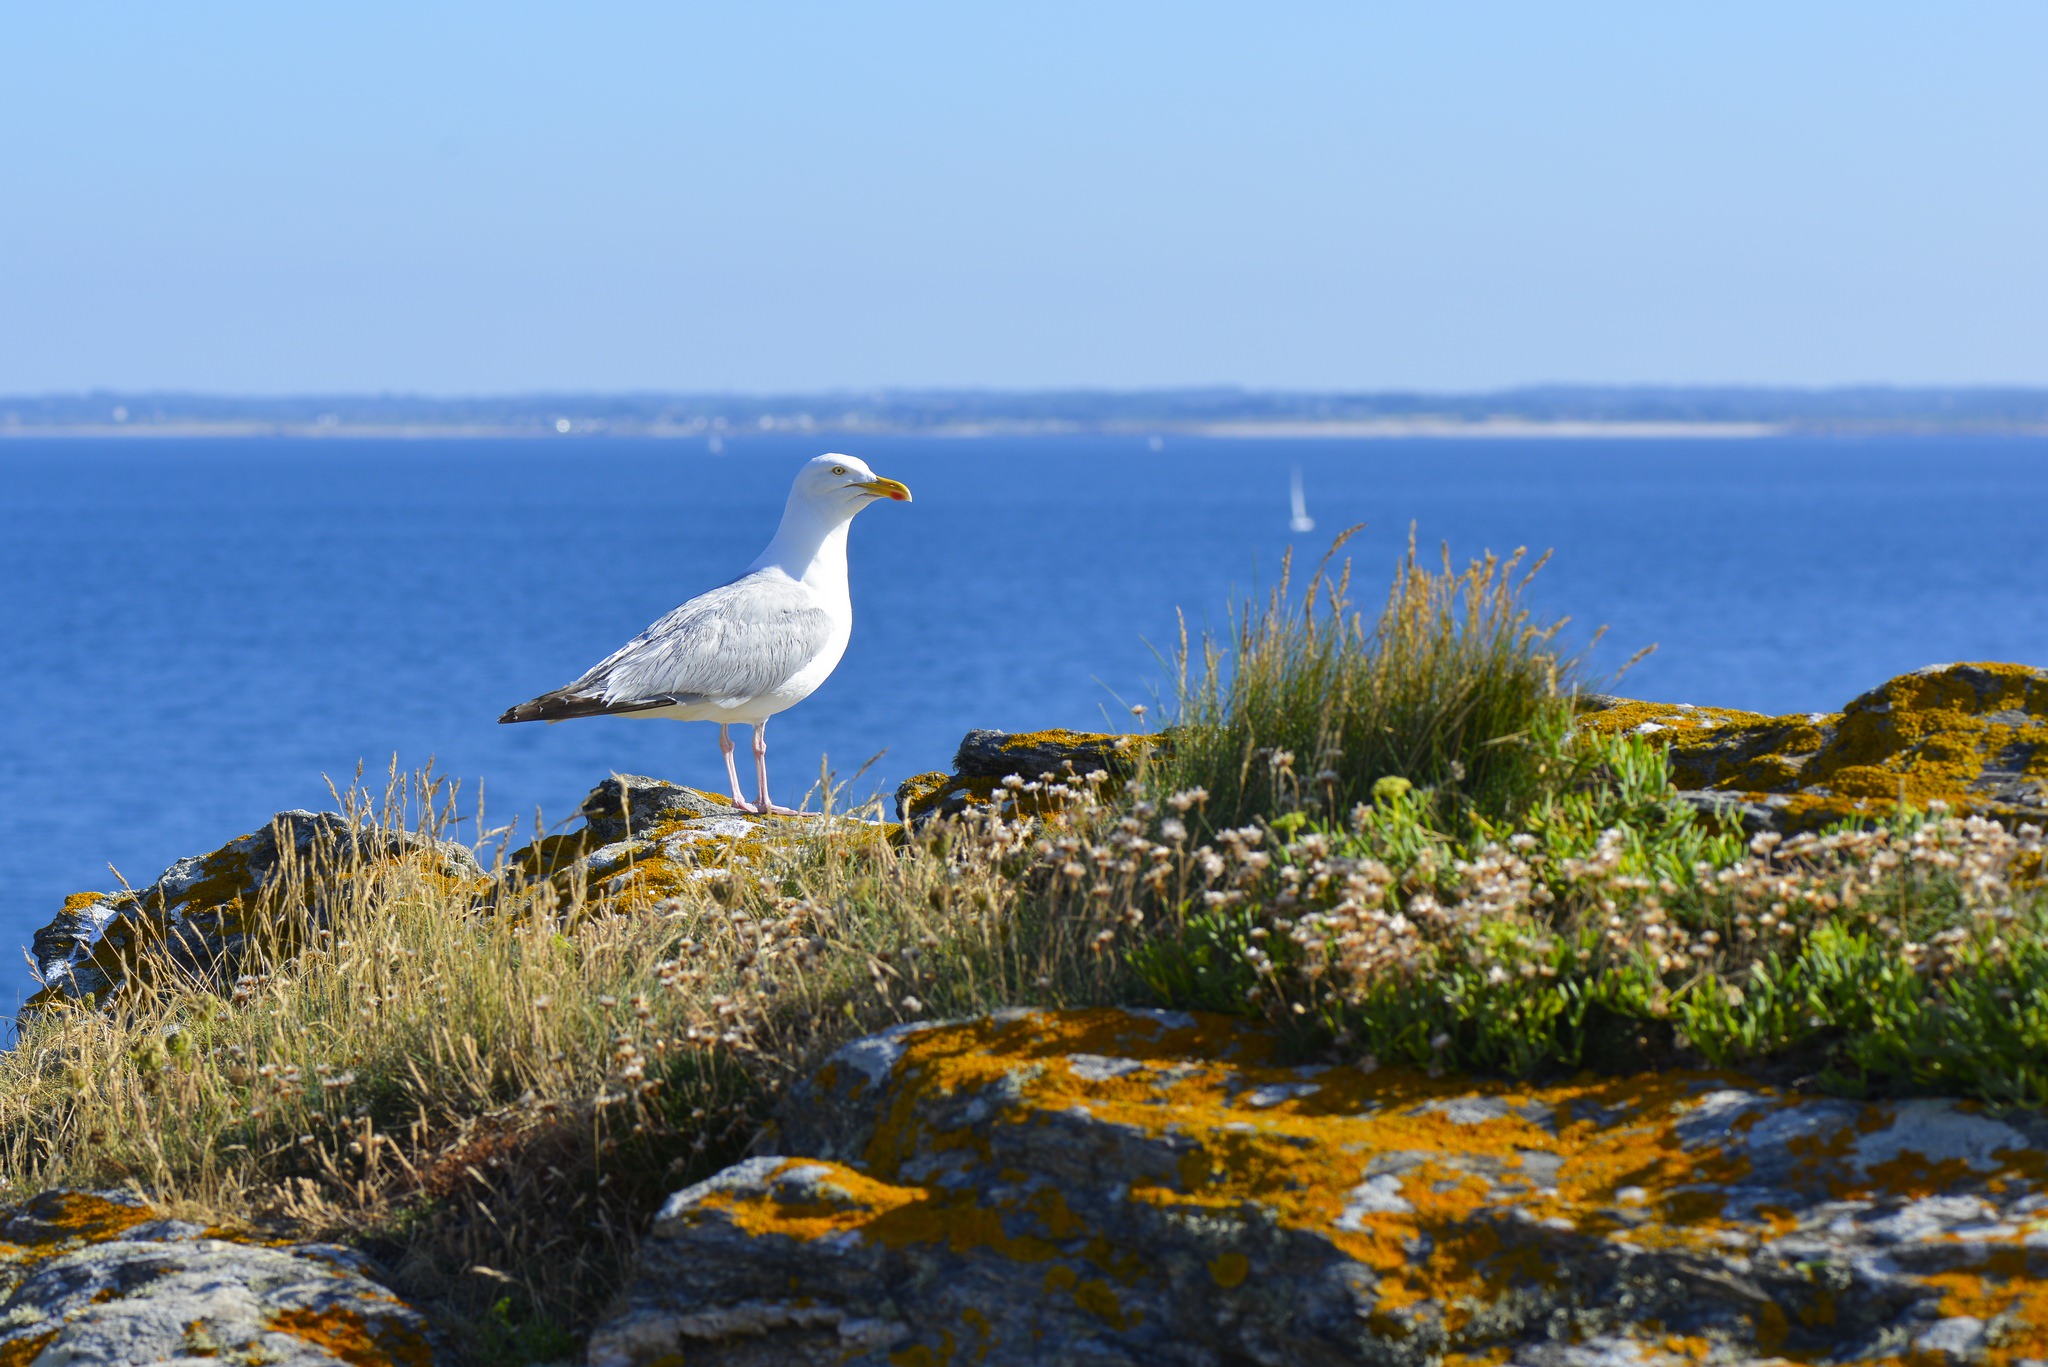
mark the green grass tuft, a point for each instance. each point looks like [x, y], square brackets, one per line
[1305, 704]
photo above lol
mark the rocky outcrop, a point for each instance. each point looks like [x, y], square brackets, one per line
[1117, 1187]
[641, 841]
[202, 912]
[645, 839]
[101, 1278]
[986, 758]
[1972, 735]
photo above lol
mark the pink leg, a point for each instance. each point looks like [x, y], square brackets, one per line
[764, 806]
[732, 772]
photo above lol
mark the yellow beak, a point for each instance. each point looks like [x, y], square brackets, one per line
[885, 488]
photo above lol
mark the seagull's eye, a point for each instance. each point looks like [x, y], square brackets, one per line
[839, 469]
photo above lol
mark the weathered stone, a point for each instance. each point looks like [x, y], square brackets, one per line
[1972, 735]
[203, 910]
[645, 840]
[632, 804]
[985, 758]
[101, 1278]
[1120, 1187]
[1044, 754]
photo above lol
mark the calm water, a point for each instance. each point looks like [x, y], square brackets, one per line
[197, 631]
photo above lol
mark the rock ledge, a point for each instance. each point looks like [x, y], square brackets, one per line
[1114, 1187]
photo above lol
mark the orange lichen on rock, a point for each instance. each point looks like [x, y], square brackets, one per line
[1147, 1174]
[22, 1351]
[1264, 1136]
[1972, 735]
[108, 1278]
[673, 837]
[354, 1339]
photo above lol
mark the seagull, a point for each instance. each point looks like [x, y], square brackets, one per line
[751, 647]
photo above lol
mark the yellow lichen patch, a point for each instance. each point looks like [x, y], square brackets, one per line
[1229, 1269]
[224, 880]
[550, 855]
[81, 1215]
[21, 1352]
[1911, 1175]
[847, 1200]
[1632, 717]
[1483, 1357]
[1036, 756]
[1974, 736]
[926, 1355]
[1299, 1146]
[355, 1339]
[919, 791]
[2010, 1295]
[891, 1215]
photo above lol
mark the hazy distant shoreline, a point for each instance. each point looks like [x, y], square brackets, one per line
[1571, 411]
[1502, 430]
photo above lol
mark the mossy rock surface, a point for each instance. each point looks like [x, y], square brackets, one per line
[1972, 735]
[985, 758]
[1151, 1187]
[646, 840]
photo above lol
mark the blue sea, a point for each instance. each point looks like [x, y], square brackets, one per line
[201, 633]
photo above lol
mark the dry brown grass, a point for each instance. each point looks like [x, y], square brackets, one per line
[495, 1103]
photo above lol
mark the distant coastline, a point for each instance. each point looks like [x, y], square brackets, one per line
[1508, 430]
[1574, 411]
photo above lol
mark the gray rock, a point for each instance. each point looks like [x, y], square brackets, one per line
[1755, 817]
[1043, 754]
[1120, 1187]
[986, 756]
[633, 804]
[1957, 1338]
[204, 908]
[98, 1278]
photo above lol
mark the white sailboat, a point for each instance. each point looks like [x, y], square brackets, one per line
[1300, 521]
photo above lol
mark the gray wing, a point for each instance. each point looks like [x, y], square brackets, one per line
[734, 643]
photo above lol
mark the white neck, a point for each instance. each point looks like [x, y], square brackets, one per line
[810, 545]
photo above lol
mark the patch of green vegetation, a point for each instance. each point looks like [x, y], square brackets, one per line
[1617, 929]
[1563, 908]
[516, 1335]
[1306, 703]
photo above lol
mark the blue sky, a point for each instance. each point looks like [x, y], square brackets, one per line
[486, 198]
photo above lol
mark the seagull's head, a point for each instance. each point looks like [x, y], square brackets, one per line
[845, 483]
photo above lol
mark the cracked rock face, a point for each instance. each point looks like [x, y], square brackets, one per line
[99, 1278]
[1111, 1187]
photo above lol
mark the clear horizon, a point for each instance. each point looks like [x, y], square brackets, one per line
[238, 199]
